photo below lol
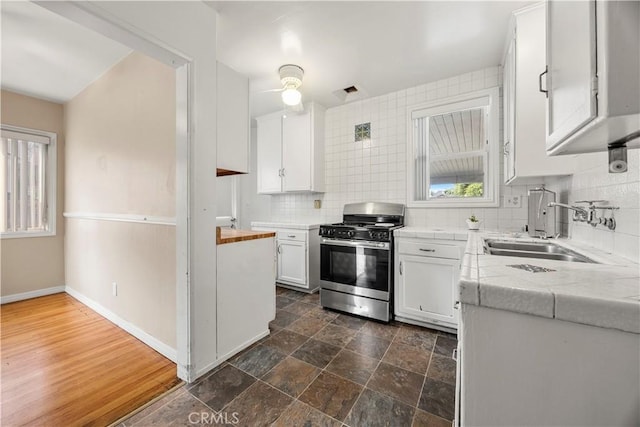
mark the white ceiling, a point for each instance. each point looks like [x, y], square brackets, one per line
[379, 46]
[49, 57]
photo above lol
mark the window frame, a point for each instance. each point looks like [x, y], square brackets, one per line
[51, 177]
[489, 98]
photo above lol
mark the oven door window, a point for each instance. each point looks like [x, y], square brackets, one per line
[354, 266]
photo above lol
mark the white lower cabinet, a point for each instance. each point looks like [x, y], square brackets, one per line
[426, 282]
[297, 255]
[292, 261]
[517, 369]
[246, 297]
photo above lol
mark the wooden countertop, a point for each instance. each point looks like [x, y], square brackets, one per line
[228, 235]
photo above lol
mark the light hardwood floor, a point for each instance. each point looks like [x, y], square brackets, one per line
[65, 365]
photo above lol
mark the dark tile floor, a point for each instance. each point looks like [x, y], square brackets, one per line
[322, 368]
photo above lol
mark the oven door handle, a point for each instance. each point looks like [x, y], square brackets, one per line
[356, 244]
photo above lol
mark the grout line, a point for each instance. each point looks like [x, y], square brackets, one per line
[172, 390]
[424, 381]
[372, 373]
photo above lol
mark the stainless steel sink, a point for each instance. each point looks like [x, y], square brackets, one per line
[542, 250]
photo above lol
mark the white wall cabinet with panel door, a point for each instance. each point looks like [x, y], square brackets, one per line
[297, 254]
[233, 122]
[426, 282]
[291, 151]
[592, 75]
[524, 105]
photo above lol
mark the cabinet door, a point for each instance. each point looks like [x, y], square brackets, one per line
[427, 288]
[233, 120]
[571, 61]
[509, 86]
[269, 153]
[296, 152]
[292, 262]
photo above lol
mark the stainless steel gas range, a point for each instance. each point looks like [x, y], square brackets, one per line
[356, 260]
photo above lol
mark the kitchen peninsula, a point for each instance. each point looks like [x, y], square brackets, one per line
[246, 298]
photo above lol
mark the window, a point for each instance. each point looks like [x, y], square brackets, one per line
[453, 152]
[27, 182]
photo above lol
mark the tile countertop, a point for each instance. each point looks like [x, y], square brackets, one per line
[606, 294]
[228, 235]
[297, 226]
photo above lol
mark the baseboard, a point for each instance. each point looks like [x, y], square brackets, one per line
[31, 294]
[224, 358]
[154, 343]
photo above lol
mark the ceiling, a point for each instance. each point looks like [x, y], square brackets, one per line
[379, 47]
[47, 56]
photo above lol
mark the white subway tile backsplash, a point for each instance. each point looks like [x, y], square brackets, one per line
[592, 181]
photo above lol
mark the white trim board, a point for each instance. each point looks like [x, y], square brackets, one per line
[31, 294]
[137, 219]
[154, 343]
[220, 360]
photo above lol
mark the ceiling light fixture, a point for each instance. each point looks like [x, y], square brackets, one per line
[291, 78]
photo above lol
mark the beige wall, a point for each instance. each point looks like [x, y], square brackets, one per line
[30, 264]
[120, 154]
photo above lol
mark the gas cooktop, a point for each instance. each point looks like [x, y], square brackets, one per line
[366, 221]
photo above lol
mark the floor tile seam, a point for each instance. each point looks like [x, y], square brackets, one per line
[407, 369]
[250, 374]
[286, 407]
[307, 405]
[400, 367]
[368, 381]
[305, 389]
[388, 339]
[239, 394]
[341, 347]
[291, 312]
[204, 403]
[424, 381]
[156, 410]
[340, 376]
[324, 370]
[295, 349]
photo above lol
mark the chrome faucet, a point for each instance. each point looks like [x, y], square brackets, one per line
[579, 214]
[590, 215]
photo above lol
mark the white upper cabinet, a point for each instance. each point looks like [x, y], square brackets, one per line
[291, 151]
[270, 153]
[592, 75]
[233, 121]
[525, 153]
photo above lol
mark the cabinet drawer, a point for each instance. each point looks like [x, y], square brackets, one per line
[429, 249]
[297, 235]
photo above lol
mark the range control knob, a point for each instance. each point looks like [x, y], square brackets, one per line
[351, 233]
